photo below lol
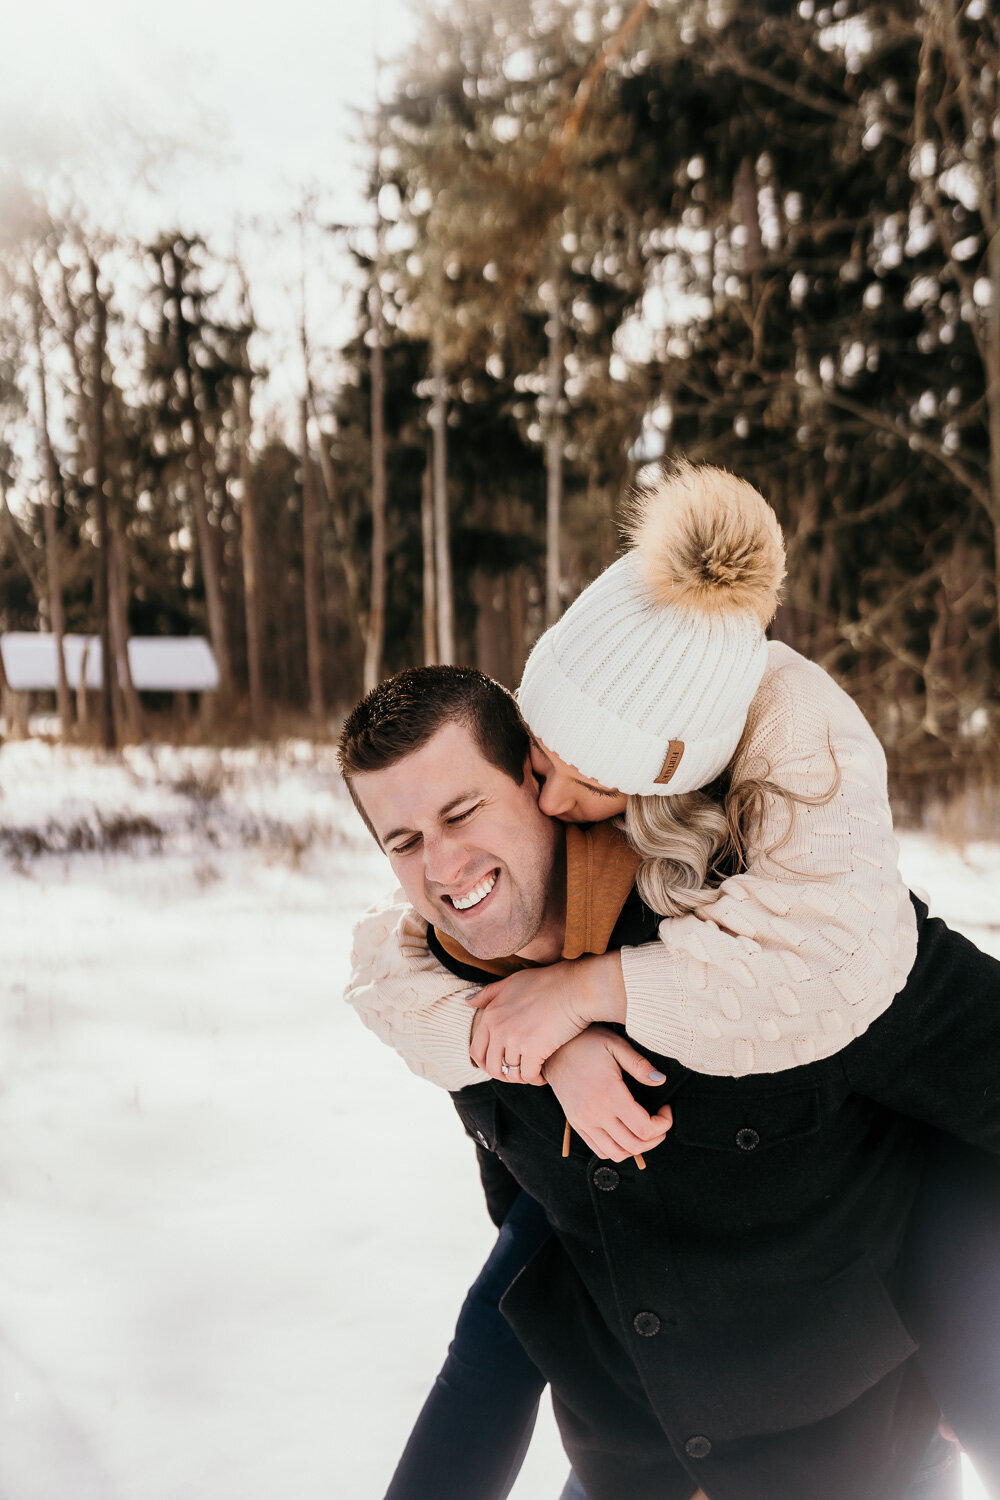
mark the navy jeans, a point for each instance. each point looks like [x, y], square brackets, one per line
[471, 1436]
[489, 1387]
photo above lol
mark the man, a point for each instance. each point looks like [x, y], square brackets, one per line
[727, 1317]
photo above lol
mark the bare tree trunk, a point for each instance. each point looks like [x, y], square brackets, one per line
[973, 138]
[554, 463]
[15, 712]
[57, 618]
[375, 633]
[208, 557]
[748, 213]
[341, 529]
[210, 573]
[993, 405]
[82, 697]
[118, 595]
[442, 521]
[250, 546]
[515, 584]
[492, 626]
[427, 552]
[517, 611]
[72, 340]
[249, 523]
[97, 464]
[310, 571]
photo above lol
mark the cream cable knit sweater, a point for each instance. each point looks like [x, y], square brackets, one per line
[797, 956]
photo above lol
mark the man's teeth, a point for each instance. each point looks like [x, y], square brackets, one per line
[462, 903]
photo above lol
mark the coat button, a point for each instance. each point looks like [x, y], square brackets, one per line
[697, 1447]
[747, 1139]
[646, 1325]
[607, 1179]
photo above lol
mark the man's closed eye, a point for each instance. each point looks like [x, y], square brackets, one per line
[466, 813]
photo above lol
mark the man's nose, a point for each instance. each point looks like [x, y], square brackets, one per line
[444, 860]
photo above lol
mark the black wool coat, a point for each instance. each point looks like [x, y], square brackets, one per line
[731, 1317]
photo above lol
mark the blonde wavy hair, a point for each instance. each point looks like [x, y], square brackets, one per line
[690, 843]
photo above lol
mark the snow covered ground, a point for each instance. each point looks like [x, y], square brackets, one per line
[235, 1229]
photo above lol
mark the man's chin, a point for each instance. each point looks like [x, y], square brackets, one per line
[485, 942]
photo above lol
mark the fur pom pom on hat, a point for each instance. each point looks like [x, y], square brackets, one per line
[709, 542]
[645, 683]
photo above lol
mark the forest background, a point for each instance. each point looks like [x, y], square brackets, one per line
[762, 235]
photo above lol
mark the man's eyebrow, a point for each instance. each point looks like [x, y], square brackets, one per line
[442, 813]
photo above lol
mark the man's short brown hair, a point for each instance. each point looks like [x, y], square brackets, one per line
[404, 712]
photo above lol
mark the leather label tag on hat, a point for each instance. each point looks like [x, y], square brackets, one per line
[674, 752]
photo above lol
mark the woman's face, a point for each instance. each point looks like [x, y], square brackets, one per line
[564, 793]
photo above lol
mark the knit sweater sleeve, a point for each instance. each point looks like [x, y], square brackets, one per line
[805, 949]
[407, 998]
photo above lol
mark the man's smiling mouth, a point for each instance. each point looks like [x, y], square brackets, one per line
[476, 895]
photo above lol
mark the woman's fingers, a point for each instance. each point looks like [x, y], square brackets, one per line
[489, 1053]
[482, 997]
[638, 1118]
[635, 1119]
[616, 1144]
[485, 1049]
[619, 1131]
[494, 1058]
[629, 1141]
[603, 1144]
[479, 1040]
[645, 1127]
[633, 1062]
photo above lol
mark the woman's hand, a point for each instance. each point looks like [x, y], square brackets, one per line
[530, 1015]
[586, 1078]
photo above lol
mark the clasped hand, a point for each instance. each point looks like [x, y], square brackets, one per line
[524, 1019]
[544, 1018]
[587, 1077]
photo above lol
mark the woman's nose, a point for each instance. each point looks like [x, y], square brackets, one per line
[554, 800]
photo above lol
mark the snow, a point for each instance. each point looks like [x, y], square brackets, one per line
[236, 1230]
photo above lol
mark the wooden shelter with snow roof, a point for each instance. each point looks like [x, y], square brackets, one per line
[157, 664]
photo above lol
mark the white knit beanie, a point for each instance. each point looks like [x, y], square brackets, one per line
[645, 683]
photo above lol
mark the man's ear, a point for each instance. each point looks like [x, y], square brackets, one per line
[531, 777]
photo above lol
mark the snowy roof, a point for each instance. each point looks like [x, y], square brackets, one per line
[161, 664]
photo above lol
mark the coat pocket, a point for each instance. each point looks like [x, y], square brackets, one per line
[747, 1123]
[843, 1338]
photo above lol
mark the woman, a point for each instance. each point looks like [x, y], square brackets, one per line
[752, 794]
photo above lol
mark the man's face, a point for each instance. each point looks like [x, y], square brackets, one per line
[470, 847]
